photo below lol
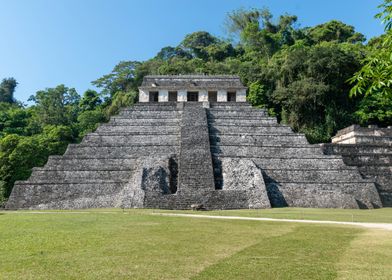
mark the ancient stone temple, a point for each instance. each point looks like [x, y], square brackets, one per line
[194, 140]
[370, 150]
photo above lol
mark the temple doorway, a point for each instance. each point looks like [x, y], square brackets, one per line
[231, 96]
[172, 95]
[212, 96]
[153, 96]
[192, 96]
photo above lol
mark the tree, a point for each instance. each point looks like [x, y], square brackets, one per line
[14, 119]
[7, 89]
[167, 53]
[374, 80]
[238, 20]
[90, 100]
[56, 106]
[89, 121]
[197, 42]
[124, 77]
[335, 31]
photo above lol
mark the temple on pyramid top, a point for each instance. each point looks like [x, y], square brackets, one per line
[183, 88]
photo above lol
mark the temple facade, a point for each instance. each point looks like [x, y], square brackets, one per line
[197, 88]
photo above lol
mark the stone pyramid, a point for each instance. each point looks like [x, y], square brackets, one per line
[174, 155]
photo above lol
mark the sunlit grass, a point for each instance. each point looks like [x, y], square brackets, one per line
[133, 244]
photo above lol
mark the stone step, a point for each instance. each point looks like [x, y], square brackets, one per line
[119, 140]
[267, 151]
[64, 195]
[131, 114]
[244, 117]
[374, 140]
[301, 163]
[153, 108]
[386, 198]
[369, 160]
[383, 183]
[137, 129]
[241, 122]
[226, 129]
[230, 105]
[258, 140]
[360, 149]
[161, 104]
[78, 176]
[324, 195]
[376, 170]
[120, 152]
[137, 133]
[146, 121]
[66, 163]
[315, 176]
[217, 112]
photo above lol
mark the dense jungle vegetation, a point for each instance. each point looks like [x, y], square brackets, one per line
[316, 79]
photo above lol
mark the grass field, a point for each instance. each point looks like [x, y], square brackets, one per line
[112, 244]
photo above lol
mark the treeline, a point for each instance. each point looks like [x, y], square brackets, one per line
[316, 79]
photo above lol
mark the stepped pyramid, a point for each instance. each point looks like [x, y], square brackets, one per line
[369, 149]
[218, 153]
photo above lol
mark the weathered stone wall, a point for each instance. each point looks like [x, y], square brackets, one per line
[373, 158]
[356, 134]
[295, 173]
[107, 169]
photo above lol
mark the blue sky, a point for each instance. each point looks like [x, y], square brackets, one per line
[49, 42]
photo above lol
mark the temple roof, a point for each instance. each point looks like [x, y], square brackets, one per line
[177, 82]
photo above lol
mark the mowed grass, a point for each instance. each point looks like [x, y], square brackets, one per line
[112, 244]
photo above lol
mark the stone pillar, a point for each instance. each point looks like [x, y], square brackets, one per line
[222, 95]
[182, 95]
[241, 95]
[163, 95]
[143, 95]
[203, 96]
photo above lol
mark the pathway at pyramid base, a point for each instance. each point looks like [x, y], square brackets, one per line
[175, 155]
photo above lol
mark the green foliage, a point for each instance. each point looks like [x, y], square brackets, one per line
[7, 89]
[88, 121]
[256, 95]
[335, 31]
[18, 154]
[14, 119]
[56, 106]
[89, 101]
[374, 79]
[124, 77]
[121, 99]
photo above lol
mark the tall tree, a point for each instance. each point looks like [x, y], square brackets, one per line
[124, 77]
[56, 106]
[90, 100]
[335, 31]
[7, 89]
[374, 80]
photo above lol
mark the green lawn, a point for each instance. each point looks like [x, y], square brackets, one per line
[112, 244]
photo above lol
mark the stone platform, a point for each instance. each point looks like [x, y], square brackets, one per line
[370, 150]
[173, 155]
